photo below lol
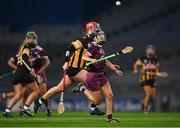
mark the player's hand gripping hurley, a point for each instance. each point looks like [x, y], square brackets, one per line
[38, 78]
[126, 50]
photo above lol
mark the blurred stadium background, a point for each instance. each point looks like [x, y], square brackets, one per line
[135, 22]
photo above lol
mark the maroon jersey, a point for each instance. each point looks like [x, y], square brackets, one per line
[96, 77]
[38, 55]
[96, 52]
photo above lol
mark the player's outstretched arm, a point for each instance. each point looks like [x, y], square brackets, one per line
[136, 65]
[113, 67]
[45, 65]
[70, 49]
[11, 63]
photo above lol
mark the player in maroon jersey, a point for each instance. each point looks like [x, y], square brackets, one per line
[97, 80]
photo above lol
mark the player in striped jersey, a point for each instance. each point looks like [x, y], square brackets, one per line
[40, 61]
[74, 66]
[149, 66]
[24, 77]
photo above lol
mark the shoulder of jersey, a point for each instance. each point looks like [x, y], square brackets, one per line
[80, 40]
[39, 48]
[26, 46]
[91, 44]
[80, 43]
[156, 57]
[143, 57]
[86, 42]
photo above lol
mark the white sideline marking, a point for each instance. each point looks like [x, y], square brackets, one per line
[88, 127]
[80, 118]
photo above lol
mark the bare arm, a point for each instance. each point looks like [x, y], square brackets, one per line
[44, 66]
[136, 65]
[11, 63]
[112, 67]
[157, 67]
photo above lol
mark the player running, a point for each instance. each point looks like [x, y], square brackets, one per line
[97, 80]
[149, 67]
[40, 61]
[24, 77]
[74, 67]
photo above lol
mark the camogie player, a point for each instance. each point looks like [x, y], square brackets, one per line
[40, 61]
[97, 80]
[74, 67]
[149, 66]
[24, 77]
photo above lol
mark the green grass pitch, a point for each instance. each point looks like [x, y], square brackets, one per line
[78, 119]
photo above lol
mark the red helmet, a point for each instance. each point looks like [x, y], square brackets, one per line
[92, 27]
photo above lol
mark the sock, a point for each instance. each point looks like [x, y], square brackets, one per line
[40, 101]
[20, 107]
[8, 110]
[26, 107]
[93, 106]
[109, 117]
[44, 101]
[36, 101]
[4, 95]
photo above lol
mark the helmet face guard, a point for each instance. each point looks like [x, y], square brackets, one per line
[31, 36]
[100, 38]
[150, 50]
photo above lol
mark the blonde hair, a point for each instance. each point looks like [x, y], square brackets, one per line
[20, 52]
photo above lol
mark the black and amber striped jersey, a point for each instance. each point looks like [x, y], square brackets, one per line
[149, 68]
[80, 47]
[25, 49]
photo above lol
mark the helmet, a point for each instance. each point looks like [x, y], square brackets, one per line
[35, 39]
[150, 50]
[92, 28]
[150, 46]
[100, 38]
[31, 34]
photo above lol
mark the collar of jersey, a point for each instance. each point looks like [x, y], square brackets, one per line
[95, 43]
